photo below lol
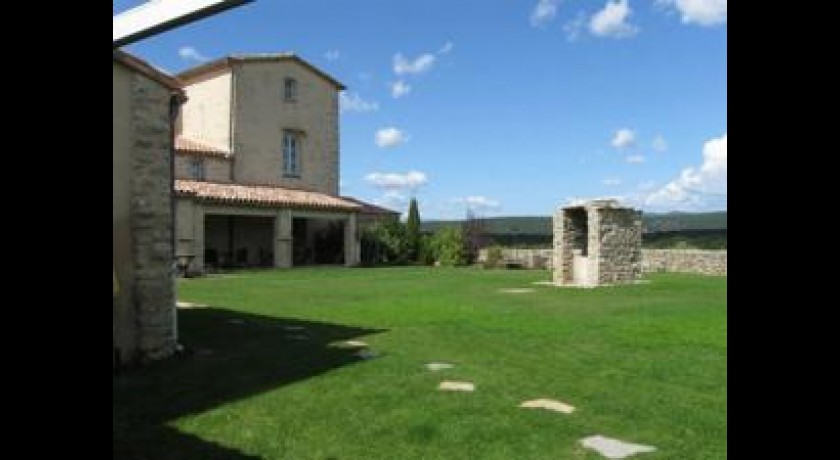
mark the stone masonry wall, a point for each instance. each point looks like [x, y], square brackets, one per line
[620, 239]
[653, 260]
[684, 260]
[528, 258]
[151, 219]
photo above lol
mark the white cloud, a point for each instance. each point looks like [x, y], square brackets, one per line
[635, 158]
[573, 27]
[479, 202]
[659, 144]
[611, 21]
[397, 181]
[696, 188]
[332, 55]
[700, 12]
[188, 53]
[544, 11]
[354, 103]
[400, 88]
[446, 48]
[611, 181]
[421, 64]
[390, 137]
[624, 138]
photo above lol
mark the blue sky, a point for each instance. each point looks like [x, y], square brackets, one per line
[504, 107]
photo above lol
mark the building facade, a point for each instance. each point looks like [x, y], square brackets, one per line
[257, 167]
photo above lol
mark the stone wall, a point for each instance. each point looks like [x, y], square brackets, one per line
[528, 258]
[620, 245]
[684, 260]
[150, 221]
[653, 260]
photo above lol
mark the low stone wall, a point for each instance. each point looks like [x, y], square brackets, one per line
[528, 258]
[684, 260]
[653, 260]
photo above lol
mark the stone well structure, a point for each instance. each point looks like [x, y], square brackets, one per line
[597, 243]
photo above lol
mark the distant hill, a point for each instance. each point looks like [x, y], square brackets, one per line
[541, 225]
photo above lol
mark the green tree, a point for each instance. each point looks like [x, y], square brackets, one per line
[448, 246]
[412, 232]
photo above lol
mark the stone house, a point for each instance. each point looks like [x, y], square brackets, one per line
[145, 104]
[257, 167]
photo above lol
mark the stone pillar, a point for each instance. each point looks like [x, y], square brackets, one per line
[151, 220]
[559, 258]
[351, 241]
[594, 219]
[283, 239]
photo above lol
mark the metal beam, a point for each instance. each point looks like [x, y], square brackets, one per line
[156, 16]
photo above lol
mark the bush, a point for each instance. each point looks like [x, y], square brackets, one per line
[494, 257]
[448, 246]
[384, 243]
[425, 250]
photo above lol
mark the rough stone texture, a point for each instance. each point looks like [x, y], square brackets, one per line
[684, 260]
[151, 219]
[597, 243]
[550, 404]
[614, 448]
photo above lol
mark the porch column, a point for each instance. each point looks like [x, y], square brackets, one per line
[351, 242]
[198, 238]
[283, 239]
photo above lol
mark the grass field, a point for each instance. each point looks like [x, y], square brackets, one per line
[643, 363]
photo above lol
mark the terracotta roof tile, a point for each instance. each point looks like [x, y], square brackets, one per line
[262, 195]
[192, 146]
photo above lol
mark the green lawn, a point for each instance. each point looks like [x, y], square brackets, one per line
[643, 363]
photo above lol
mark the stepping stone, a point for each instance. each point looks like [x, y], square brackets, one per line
[293, 328]
[614, 448]
[180, 304]
[366, 353]
[448, 385]
[345, 344]
[516, 290]
[236, 321]
[549, 404]
[438, 366]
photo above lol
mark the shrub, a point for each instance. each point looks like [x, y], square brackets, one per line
[448, 246]
[384, 243]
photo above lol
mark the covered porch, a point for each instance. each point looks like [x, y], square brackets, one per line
[231, 226]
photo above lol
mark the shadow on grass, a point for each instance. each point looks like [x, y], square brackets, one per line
[230, 355]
